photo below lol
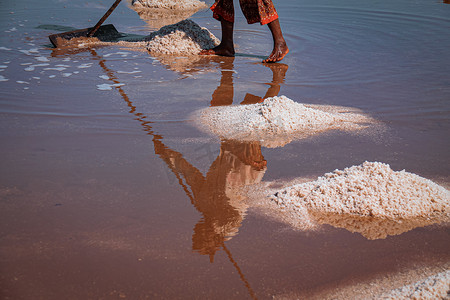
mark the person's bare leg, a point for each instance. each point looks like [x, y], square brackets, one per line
[223, 95]
[278, 75]
[226, 47]
[280, 48]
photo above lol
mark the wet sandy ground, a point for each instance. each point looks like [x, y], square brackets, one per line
[107, 191]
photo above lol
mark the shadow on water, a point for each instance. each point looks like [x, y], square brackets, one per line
[215, 195]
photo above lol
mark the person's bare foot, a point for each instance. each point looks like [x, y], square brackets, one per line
[278, 53]
[219, 50]
[226, 47]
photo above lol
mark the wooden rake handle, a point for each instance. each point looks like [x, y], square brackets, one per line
[106, 15]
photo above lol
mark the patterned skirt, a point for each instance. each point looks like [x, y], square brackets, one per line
[261, 11]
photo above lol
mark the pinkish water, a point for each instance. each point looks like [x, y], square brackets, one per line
[108, 191]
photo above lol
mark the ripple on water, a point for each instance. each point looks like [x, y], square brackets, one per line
[342, 45]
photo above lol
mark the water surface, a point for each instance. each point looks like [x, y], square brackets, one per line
[108, 191]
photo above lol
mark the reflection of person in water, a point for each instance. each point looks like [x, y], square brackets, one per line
[223, 95]
[216, 196]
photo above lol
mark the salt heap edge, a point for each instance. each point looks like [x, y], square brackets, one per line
[185, 37]
[370, 189]
[278, 120]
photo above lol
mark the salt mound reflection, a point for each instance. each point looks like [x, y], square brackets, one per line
[373, 228]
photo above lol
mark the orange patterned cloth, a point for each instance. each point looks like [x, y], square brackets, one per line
[261, 11]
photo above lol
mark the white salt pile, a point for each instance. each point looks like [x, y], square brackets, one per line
[159, 13]
[157, 18]
[170, 4]
[185, 37]
[422, 283]
[434, 287]
[371, 189]
[277, 121]
[370, 199]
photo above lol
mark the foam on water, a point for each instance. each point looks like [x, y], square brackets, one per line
[31, 51]
[55, 69]
[33, 67]
[122, 54]
[107, 87]
[85, 66]
[128, 72]
[41, 58]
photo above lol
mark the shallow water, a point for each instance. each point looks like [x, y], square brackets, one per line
[108, 191]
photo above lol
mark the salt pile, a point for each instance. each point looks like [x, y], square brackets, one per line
[170, 4]
[185, 37]
[159, 13]
[277, 121]
[157, 18]
[371, 189]
[420, 283]
[433, 287]
[370, 198]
